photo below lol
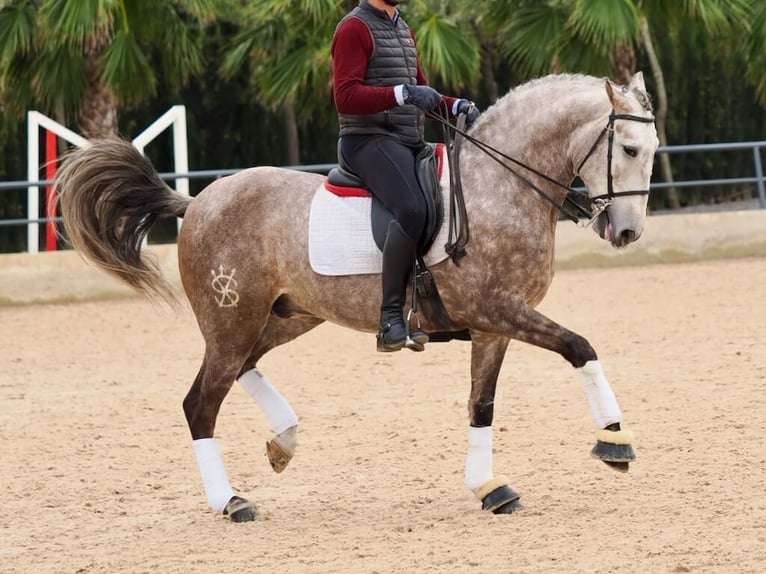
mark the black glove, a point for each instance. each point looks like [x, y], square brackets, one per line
[470, 110]
[424, 97]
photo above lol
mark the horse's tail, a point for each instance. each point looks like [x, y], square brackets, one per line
[110, 196]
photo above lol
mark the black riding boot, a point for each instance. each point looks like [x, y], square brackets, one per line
[398, 259]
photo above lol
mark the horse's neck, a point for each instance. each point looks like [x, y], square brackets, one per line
[545, 130]
[498, 199]
[542, 131]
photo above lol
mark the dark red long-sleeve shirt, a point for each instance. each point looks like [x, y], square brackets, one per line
[351, 50]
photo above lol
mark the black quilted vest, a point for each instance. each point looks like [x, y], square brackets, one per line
[393, 62]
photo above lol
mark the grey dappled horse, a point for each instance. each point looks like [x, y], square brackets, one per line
[251, 229]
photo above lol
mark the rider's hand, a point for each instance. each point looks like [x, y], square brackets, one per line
[423, 97]
[470, 110]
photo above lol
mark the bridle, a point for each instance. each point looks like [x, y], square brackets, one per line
[598, 203]
[609, 129]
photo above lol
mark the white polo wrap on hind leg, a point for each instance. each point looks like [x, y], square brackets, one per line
[217, 487]
[278, 411]
[603, 404]
[478, 461]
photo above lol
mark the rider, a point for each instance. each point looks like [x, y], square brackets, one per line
[381, 96]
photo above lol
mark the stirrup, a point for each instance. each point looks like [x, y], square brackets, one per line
[415, 338]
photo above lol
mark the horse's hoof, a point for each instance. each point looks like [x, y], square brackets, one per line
[279, 458]
[503, 500]
[614, 449]
[509, 507]
[240, 510]
[281, 449]
[618, 466]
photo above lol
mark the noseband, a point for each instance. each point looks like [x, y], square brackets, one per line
[610, 194]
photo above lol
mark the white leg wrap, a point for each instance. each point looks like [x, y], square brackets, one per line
[603, 404]
[278, 411]
[478, 461]
[217, 487]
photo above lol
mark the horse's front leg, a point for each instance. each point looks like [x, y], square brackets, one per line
[494, 492]
[613, 445]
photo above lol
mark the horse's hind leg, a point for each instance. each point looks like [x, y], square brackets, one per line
[279, 413]
[227, 356]
[201, 405]
[494, 492]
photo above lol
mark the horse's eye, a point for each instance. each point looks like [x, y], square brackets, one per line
[630, 151]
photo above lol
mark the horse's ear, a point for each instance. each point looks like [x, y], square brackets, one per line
[617, 97]
[637, 83]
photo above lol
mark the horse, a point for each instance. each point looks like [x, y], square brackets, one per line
[243, 257]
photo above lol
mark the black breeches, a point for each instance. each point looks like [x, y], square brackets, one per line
[387, 167]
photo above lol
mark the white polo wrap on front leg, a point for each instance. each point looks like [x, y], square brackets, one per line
[603, 403]
[478, 461]
[217, 487]
[278, 411]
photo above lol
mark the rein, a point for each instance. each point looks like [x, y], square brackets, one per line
[598, 203]
[459, 233]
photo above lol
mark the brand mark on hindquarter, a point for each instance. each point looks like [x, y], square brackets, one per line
[225, 285]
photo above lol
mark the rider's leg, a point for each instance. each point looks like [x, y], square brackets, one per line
[388, 168]
[398, 254]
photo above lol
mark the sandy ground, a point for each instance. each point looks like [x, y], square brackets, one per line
[97, 473]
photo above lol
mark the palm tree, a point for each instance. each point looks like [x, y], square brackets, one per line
[602, 37]
[82, 61]
[285, 45]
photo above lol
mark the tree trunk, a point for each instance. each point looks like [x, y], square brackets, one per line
[624, 64]
[661, 112]
[98, 110]
[291, 132]
[488, 74]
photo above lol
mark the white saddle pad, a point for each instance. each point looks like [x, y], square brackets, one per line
[340, 234]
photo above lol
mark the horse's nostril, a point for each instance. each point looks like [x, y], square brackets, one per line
[627, 236]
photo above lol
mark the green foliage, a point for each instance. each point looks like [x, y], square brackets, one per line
[284, 46]
[45, 44]
[605, 23]
[123, 62]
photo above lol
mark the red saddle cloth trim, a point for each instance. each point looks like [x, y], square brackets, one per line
[346, 191]
[362, 192]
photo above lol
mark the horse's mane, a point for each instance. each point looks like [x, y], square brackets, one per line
[567, 82]
[556, 79]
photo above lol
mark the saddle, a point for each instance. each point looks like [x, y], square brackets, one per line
[428, 170]
[342, 181]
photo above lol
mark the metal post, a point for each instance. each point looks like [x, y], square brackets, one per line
[180, 153]
[33, 176]
[759, 175]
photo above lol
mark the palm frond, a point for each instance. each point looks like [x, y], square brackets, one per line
[605, 23]
[448, 52]
[17, 27]
[59, 78]
[534, 37]
[76, 22]
[718, 16]
[126, 69]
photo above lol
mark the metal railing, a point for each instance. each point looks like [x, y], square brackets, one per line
[756, 179]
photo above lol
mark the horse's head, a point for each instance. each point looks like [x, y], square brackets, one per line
[617, 168]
